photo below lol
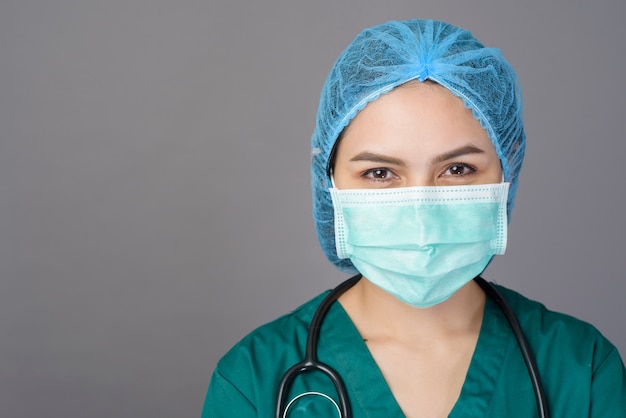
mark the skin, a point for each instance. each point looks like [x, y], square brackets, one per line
[419, 134]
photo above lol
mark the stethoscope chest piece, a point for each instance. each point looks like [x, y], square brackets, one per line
[330, 400]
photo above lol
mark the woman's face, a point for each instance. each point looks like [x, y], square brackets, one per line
[419, 134]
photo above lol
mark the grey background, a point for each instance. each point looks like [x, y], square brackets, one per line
[154, 183]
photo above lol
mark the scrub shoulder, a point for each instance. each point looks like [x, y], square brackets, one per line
[245, 380]
[577, 364]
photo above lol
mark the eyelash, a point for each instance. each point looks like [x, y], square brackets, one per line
[389, 174]
[464, 166]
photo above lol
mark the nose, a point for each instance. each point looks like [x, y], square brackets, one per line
[420, 178]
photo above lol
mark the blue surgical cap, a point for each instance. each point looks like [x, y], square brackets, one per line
[386, 56]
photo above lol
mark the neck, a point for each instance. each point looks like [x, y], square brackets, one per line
[379, 315]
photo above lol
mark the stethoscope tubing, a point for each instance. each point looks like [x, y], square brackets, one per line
[522, 342]
[311, 362]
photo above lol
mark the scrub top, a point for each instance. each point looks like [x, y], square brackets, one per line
[582, 372]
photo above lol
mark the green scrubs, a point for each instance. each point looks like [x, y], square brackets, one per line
[582, 372]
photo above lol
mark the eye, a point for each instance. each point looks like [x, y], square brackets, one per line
[459, 170]
[379, 174]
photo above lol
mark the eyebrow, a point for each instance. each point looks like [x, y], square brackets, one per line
[467, 149]
[384, 159]
[378, 158]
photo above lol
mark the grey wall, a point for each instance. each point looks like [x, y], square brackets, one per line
[154, 201]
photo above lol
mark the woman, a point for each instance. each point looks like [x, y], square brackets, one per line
[416, 155]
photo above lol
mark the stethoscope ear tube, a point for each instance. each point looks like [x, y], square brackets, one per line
[529, 358]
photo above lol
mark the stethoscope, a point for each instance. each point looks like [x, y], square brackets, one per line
[311, 362]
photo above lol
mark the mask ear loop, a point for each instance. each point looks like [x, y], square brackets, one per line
[332, 179]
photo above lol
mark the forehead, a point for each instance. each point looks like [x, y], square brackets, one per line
[415, 113]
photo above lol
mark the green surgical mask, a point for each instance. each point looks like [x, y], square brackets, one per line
[421, 244]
